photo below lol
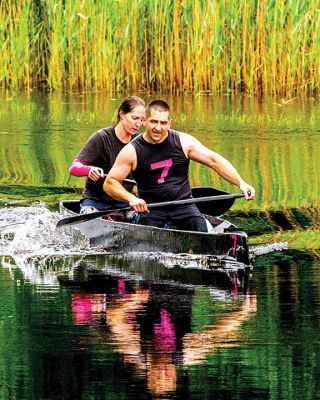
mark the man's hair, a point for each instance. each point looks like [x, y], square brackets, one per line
[158, 105]
[129, 104]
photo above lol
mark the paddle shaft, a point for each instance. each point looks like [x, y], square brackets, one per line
[88, 217]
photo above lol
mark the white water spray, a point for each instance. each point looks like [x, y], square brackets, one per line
[28, 236]
[31, 231]
[268, 248]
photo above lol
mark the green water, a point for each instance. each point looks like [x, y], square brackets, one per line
[104, 334]
[275, 147]
[182, 334]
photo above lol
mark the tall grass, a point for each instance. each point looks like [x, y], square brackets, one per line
[227, 46]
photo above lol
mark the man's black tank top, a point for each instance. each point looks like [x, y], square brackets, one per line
[162, 172]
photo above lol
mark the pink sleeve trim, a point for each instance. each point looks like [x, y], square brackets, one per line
[77, 168]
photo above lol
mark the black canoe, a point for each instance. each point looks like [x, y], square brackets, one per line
[225, 241]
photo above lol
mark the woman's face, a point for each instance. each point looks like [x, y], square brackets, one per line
[132, 121]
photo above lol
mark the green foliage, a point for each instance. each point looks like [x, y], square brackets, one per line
[202, 46]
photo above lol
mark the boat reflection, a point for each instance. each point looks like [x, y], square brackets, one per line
[156, 317]
[160, 314]
[220, 276]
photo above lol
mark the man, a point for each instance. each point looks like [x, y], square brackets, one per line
[159, 162]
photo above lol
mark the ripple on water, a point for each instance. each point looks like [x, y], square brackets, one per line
[32, 231]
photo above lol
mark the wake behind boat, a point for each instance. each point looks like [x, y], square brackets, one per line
[225, 241]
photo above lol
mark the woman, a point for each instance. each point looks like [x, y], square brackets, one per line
[100, 151]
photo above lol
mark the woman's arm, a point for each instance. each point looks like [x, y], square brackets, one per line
[78, 168]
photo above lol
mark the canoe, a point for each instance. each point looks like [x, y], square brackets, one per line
[225, 242]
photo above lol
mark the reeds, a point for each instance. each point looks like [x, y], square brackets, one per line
[201, 46]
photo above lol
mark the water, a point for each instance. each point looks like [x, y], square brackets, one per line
[95, 327]
[79, 324]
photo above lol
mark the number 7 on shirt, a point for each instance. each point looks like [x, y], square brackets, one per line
[166, 165]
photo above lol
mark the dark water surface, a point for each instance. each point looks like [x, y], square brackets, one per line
[99, 328]
[80, 325]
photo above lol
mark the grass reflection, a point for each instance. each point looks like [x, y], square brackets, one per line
[274, 144]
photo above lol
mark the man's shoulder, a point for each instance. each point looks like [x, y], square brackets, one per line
[180, 134]
[137, 139]
[176, 133]
[177, 136]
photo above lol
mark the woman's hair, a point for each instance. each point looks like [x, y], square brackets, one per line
[128, 105]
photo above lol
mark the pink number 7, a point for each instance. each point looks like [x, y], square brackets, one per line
[166, 165]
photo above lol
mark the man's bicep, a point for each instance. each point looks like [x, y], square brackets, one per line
[195, 150]
[123, 164]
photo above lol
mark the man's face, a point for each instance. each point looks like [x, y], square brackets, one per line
[157, 126]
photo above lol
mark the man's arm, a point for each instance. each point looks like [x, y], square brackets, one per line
[196, 151]
[125, 163]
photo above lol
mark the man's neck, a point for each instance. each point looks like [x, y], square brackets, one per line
[148, 138]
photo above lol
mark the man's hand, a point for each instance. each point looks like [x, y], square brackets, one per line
[248, 191]
[139, 205]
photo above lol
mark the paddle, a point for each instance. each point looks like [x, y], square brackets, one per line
[88, 217]
[128, 181]
[216, 208]
[220, 206]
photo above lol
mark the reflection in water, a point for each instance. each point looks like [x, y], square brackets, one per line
[150, 322]
[123, 329]
[85, 307]
[300, 228]
[151, 328]
[199, 345]
[111, 331]
[40, 134]
[89, 272]
[147, 319]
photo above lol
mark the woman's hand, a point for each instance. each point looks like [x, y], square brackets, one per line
[96, 173]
